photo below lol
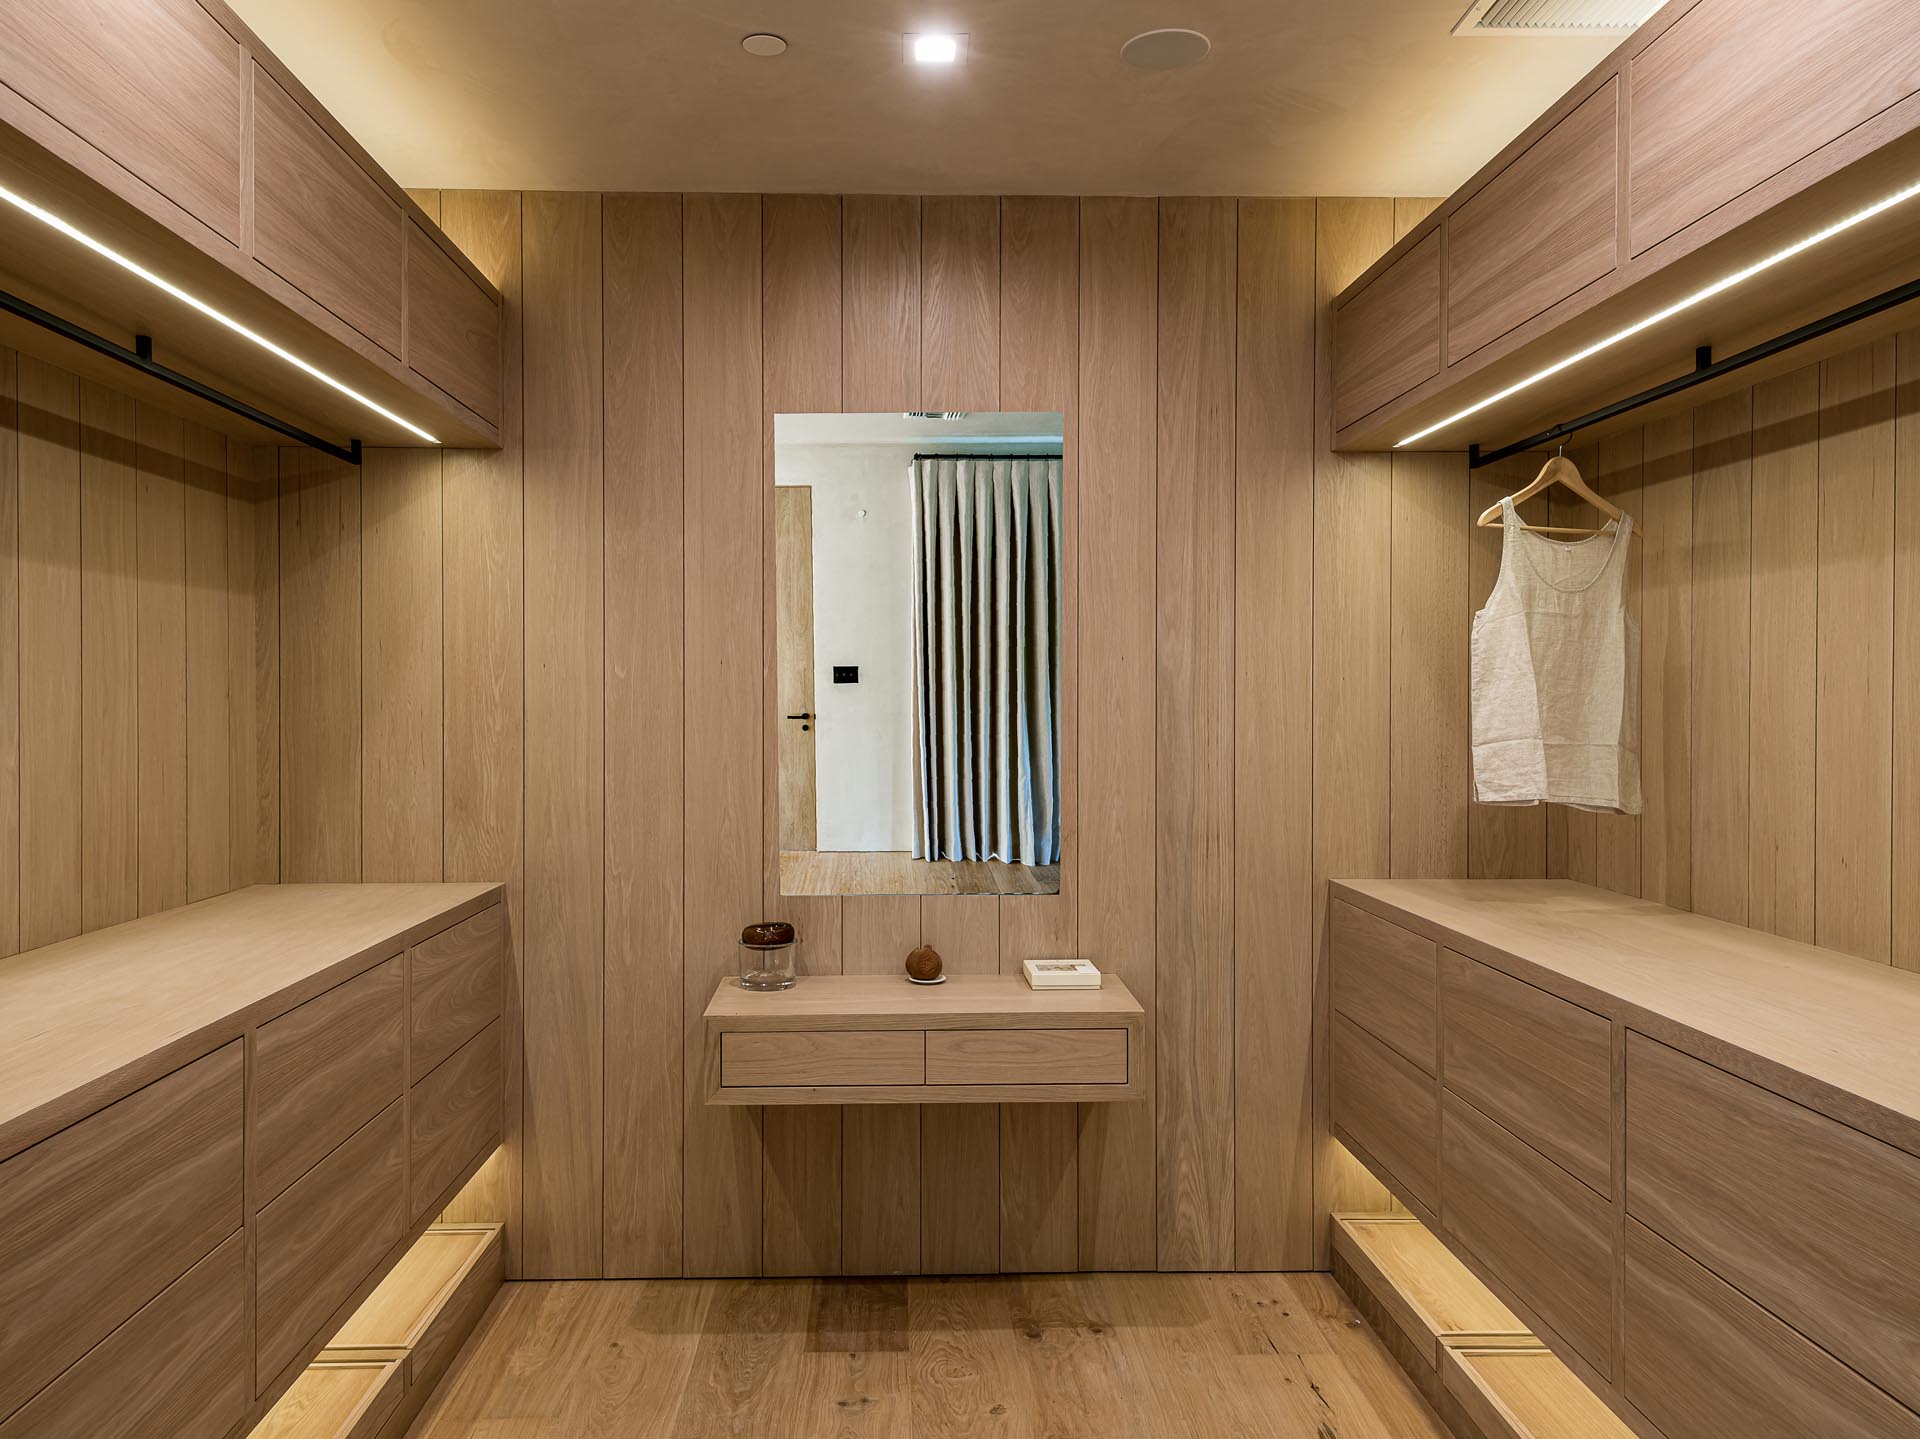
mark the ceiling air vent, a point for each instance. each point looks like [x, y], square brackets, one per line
[1555, 17]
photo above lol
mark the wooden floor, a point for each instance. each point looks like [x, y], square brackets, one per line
[807, 871]
[1118, 1356]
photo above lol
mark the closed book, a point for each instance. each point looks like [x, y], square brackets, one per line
[1061, 974]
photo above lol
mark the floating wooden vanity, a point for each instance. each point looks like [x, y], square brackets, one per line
[1687, 1154]
[220, 1126]
[878, 1039]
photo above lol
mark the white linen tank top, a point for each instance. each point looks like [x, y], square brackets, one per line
[1556, 674]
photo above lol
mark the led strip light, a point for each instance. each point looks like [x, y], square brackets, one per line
[132, 267]
[1720, 286]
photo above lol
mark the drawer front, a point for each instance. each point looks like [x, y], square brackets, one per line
[1385, 980]
[1388, 1107]
[456, 987]
[1533, 1225]
[1026, 1056]
[814, 1057]
[454, 1117]
[1704, 1362]
[1539, 1065]
[323, 1070]
[321, 1238]
[176, 1368]
[98, 1219]
[1387, 337]
[1812, 1219]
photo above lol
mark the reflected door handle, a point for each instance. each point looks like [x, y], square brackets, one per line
[802, 715]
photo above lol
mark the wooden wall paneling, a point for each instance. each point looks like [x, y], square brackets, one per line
[483, 658]
[1570, 831]
[960, 319]
[209, 768]
[565, 772]
[1617, 836]
[1906, 656]
[800, 277]
[263, 523]
[10, 711]
[403, 590]
[1853, 727]
[880, 370]
[724, 861]
[1117, 542]
[50, 670]
[319, 669]
[1786, 557]
[1722, 685]
[162, 556]
[109, 660]
[431, 201]
[646, 719]
[1274, 1220]
[1194, 743]
[1666, 662]
[1352, 625]
[1039, 279]
[240, 616]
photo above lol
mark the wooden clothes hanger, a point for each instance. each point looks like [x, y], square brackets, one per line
[1557, 471]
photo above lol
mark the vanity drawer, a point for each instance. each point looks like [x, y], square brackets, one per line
[1388, 1107]
[455, 1116]
[1704, 1361]
[1026, 1056]
[1539, 1065]
[455, 987]
[323, 1070]
[1533, 1225]
[811, 1057]
[101, 1217]
[320, 1239]
[1385, 980]
[1813, 1220]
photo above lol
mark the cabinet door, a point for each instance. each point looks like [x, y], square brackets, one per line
[1385, 981]
[455, 1117]
[1387, 337]
[1388, 1107]
[456, 985]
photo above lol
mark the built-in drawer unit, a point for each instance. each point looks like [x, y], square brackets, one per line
[1027, 1056]
[1385, 981]
[456, 987]
[100, 1218]
[1388, 334]
[1704, 1362]
[454, 1118]
[1812, 1219]
[1535, 1228]
[1539, 1065]
[323, 1070]
[1388, 1108]
[812, 1056]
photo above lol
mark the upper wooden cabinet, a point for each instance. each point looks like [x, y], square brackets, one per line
[165, 130]
[1720, 134]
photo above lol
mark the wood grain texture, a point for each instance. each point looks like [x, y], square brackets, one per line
[1516, 1393]
[1666, 658]
[1906, 658]
[334, 1400]
[208, 769]
[452, 327]
[109, 651]
[1429, 752]
[453, 1118]
[456, 1312]
[1388, 1107]
[11, 715]
[823, 1057]
[880, 1218]
[455, 987]
[1385, 979]
[1389, 333]
[1722, 587]
[162, 561]
[1425, 1289]
[1027, 1056]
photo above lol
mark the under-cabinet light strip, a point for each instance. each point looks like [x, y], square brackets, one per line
[133, 267]
[1720, 286]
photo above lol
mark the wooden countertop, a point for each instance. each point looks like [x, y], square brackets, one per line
[1838, 1034]
[89, 1020]
[889, 1001]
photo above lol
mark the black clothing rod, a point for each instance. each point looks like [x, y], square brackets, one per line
[141, 358]
[1705, 368]
[1004, 455]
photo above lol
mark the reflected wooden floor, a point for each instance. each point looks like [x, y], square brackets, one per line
[1119, 1356]
[807, 871]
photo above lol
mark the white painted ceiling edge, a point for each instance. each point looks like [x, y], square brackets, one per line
[1342, 97]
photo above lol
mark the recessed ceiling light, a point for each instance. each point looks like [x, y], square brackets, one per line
[764, 45]
[1165, 49]
[933, 49]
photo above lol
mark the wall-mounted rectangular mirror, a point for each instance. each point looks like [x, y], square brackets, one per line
[918, 578]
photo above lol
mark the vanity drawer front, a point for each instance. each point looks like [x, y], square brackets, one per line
[1026, 1056]
[321, 1238]
[323, 1070]
[455, 1116]
[1388, 1107]
[1813, 1220]
[1704, 1361]
[816, 1057]
[99, 1218]
[1539, 1065]
[455, 987]
[1533, 1225]
[1385, 980]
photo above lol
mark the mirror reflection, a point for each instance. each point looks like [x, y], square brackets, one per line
[918, 613]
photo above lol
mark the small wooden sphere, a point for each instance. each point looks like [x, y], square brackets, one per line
[767, 934]
[924, 963]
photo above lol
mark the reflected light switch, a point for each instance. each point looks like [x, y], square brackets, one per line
[846, 674]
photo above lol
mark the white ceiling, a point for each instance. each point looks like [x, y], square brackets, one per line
[1340, 97]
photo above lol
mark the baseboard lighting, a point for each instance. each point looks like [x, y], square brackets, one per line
[133, 267]
[1718, 287]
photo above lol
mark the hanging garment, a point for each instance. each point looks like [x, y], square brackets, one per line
[1556, 674]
